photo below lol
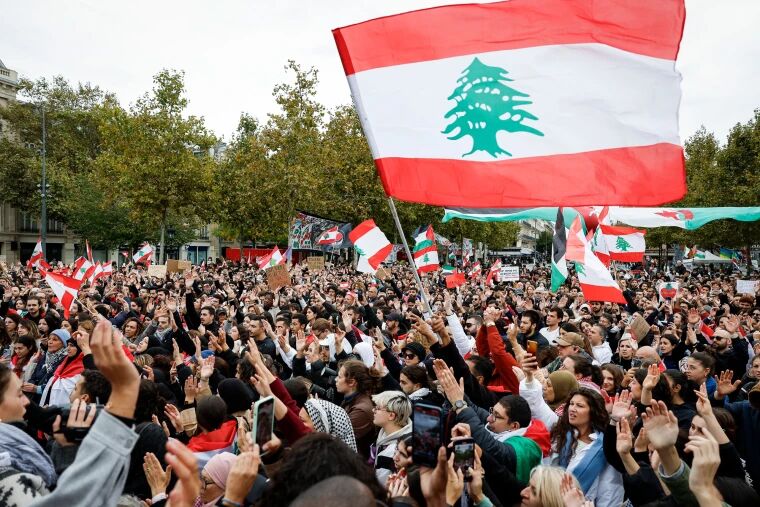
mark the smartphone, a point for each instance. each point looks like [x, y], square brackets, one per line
[426, 434]
[263, 421]
[532, 347]
[464, 456]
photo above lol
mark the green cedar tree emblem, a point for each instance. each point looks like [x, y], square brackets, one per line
[580, 269]
[485, 105]
[359, 250]
[622, 244]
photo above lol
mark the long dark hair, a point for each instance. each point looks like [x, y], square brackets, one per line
[598, 419]
[365, 382]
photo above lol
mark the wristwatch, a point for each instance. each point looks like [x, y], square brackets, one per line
[460, 404]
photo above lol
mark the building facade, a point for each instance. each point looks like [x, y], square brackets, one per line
[529, 232]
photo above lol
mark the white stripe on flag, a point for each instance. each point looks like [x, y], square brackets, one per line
[579, 102]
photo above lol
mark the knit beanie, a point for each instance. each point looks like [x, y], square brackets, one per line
[235, 394]
[62, 334]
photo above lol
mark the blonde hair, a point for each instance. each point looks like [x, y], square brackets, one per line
[547, 481]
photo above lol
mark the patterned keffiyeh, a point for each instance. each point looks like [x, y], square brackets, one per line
[330, 418]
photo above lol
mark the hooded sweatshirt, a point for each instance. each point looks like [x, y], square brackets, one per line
[383, 452]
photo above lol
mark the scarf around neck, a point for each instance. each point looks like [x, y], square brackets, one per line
[419, 393]
[53, 359]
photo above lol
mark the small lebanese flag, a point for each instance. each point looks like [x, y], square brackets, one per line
[95, 273]
[83, 269]
[475, 270]
[595, 279]
[493, 271]
[330, 236]
[624, 244]
[37, 259]
[371, 245]
[271, 259]
[460, 102]
[65, 288]
[106, 270]
[89, 250]
[143, 255]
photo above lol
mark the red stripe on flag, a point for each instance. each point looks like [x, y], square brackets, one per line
[636, 176]
[602, 293]
[627, 256]
[646, 27]
[420, 253]
[380, 256]
[361, 229]
[620, 230]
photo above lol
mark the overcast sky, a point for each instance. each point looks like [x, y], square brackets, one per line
[233, 51]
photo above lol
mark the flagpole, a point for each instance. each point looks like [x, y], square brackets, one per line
[417, 278]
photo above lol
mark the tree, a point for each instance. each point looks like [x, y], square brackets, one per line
[622, 245]
[485, 106]
[156, 161]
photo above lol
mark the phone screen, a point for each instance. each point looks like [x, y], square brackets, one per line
[263, 420]
[464, 454]
[426, 434]
[532, 347]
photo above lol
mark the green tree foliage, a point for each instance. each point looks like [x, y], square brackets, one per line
[155, 160]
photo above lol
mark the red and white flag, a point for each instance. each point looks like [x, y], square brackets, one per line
[330, 236]
[624, 244]
[598, 241]
[83, 269]
[576, 242]
[475, 270]
[37, 260]
[89, 250]
[106, 271]
[273, 258]
[595, 279]
[493, 271]
[371, 245]
[65, 288]
[144, 254]
[459, 103]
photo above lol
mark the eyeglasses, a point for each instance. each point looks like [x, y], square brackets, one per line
[494, 414]
[409, 356]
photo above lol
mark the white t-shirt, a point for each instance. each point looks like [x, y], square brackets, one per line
[602, 353]
[552, 336]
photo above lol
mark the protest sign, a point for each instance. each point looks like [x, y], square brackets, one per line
[175, 266]
[667, 290]
[157, 270]
[383, 274]
[747, 286]
[509, 274]
[278, 277]
[315, 263]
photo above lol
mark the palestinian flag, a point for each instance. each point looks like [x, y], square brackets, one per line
[575, 248]
[596, 282]
[447, 270]
[271, 259]
[457, 112]
[371, 245]
[624, 244]
[559, 245]
[144, 254]
[684, 218]
[64, 287]
[83, 269]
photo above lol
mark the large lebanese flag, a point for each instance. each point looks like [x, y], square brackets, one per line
[65, 288]
[522, 103]
[624, 244]
[371, 244]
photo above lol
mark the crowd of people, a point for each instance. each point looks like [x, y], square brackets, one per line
[145, 394]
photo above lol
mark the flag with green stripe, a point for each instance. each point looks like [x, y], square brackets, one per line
[559, 246]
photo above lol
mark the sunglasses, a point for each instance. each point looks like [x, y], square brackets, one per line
[409, 356]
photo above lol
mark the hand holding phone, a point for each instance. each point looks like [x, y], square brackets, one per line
[464, 456]
[263, 421]
[532, 347]
[426, 434]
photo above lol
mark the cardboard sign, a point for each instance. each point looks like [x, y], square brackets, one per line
[747, 286]
[509, 274]
[278, 277]
[175, 266]
[315, 263]
[157, 270]
[667, 290]
[383, 274]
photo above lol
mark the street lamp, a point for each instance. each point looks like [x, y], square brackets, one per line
[43, 210]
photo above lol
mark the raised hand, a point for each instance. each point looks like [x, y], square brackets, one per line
[158, 478]
[114, 365]
[621, 405]
[185, 466]
[661, 425]
[725, 386]
[653, 376]
[207, 367]
[624, 442]
[572, 496]
[704, 466]
[172, 413]
[242, 475]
